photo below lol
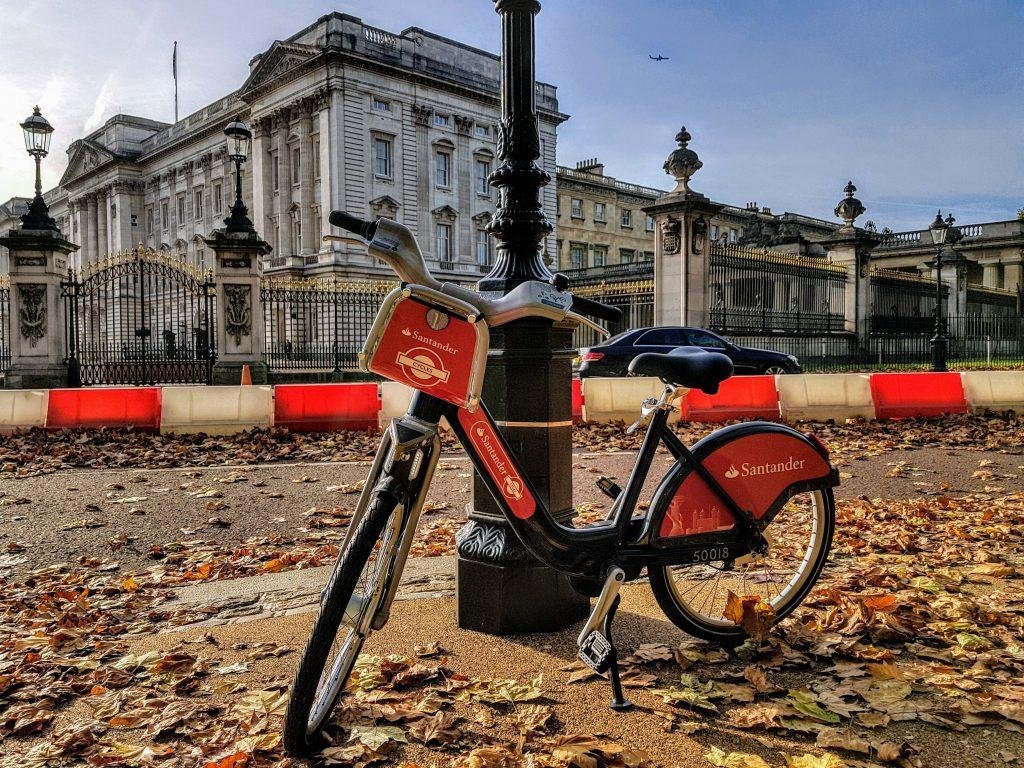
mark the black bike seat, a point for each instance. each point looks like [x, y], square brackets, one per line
[685, 367]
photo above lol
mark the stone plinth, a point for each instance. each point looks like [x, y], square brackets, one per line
[240, 329]
[39, 263]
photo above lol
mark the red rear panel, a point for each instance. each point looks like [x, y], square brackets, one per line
[429, 350]
[754, 470]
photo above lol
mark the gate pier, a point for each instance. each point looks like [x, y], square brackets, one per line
[39, 262]
[240, 328]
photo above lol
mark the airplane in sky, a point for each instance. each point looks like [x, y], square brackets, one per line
[659, 57]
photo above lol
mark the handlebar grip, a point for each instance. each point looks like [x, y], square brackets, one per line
[347, 221]
[584, 306]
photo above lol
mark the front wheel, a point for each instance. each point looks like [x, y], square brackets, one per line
[694, 597]
[349, 601]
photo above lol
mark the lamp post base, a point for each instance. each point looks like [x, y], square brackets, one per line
[939, 353]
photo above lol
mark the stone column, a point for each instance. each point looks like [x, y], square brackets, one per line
[91, 243]
[851, 247]
[326, 171]
[284, 184]
[102, 228]
[305, 128]
[39, 262]
[681, 222]
[238, 265]
[262, 191]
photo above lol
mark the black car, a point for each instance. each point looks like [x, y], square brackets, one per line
[612, 357]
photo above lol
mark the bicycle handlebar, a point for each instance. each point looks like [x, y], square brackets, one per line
[350, 223]
[596, 309]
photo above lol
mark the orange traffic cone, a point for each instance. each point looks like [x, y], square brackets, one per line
[246, 375]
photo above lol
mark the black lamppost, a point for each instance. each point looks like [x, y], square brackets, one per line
[239, 139]
[939, 229]
[37, 130]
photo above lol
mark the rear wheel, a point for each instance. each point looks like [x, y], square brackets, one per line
[799, 536]
[775, 370]
[347, 606]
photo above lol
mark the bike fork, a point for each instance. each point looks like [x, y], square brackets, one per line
[596, 648]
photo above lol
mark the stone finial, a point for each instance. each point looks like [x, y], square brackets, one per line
[849, 207]
[683, 162]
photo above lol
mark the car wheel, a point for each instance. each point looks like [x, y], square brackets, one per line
[775, 370]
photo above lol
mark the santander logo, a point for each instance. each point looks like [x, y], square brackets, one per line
[768, 468]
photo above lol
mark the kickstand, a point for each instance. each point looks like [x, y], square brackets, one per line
[619, 702]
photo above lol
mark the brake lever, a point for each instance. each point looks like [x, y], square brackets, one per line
[589, 323]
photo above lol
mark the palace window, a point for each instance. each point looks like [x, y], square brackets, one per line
[197, 204]
[296, 165]
[483, 248]
[149, 221]
[714, 232]
[382, 158]
[648, 255]
[444, 243]
[577, 208]
[443, 165]
[164, 217]
[380, 105]
[599, 212]
[441, 120]
[600, 255]
[734, 235]
[296, 232]
[483, 170]
[577, 256]
[482, 131]
[650, 224]
[627, 218]
[218, 198]
[277, 171]
[316, 159]
[626, 255]
[181, 210]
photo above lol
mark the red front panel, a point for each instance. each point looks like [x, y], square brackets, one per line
[496, 461]
[754, 470]
[429, 350]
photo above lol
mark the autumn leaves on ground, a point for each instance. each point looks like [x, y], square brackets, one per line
[909, 651]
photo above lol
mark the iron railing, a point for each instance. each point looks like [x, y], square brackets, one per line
[6, 331]
[140, 317]
[902, 302]
[756, 290]
[635, 299]
[318, 323]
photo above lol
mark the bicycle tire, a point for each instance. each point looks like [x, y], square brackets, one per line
[724, 632]
[308, 709]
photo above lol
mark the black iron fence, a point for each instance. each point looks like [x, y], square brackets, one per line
[6, 333]
[902, 302]
[318, 324]
[635, 298]
[140, 317]
[757, 291]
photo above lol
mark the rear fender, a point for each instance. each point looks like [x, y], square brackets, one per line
[761, 464]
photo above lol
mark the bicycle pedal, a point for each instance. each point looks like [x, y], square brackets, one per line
[596, 652]
[608, 487]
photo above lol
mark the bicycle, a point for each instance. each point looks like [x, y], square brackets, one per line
[706, 532]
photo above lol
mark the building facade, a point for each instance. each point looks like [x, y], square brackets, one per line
[344, 116]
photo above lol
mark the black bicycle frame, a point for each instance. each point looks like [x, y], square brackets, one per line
[587, 552]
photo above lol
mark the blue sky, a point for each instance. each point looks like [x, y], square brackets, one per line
[920, 103]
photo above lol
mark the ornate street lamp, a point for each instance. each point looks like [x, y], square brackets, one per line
[37, 130]
[939, 229]
[239, 139]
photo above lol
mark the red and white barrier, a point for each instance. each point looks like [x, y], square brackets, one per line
[328, 407]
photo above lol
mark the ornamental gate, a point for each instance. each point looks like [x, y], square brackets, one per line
[140, 317]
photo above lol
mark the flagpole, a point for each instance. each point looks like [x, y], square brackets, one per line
[174, 69]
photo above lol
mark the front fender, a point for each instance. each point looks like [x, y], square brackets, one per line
[760, 464]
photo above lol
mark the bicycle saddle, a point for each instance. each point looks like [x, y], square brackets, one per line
[685, 367]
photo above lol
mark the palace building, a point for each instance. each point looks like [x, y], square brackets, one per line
[344, 116]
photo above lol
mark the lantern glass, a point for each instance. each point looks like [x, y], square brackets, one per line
[938, 229]
[37, 131]
[239, 138]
